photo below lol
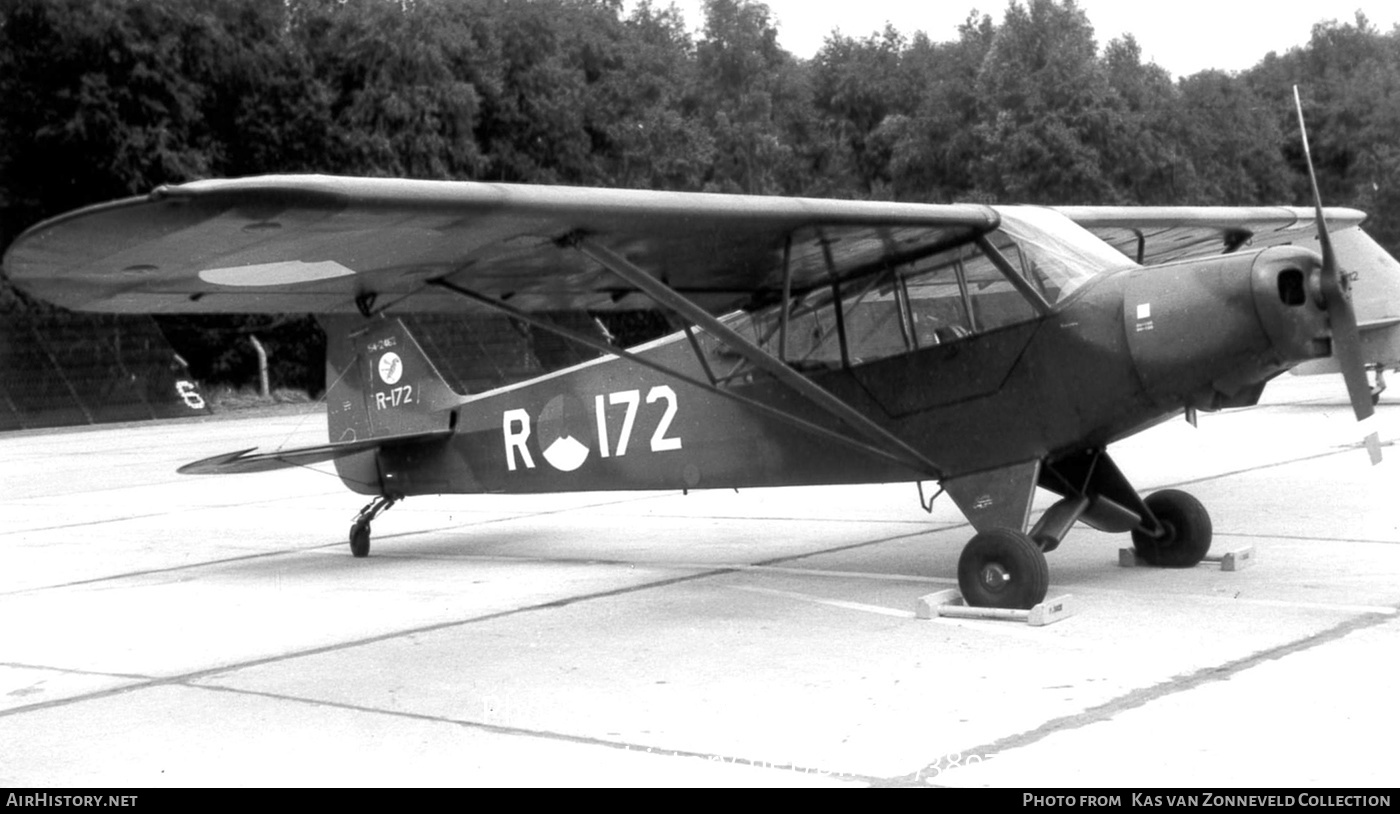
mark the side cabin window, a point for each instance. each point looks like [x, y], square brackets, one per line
[1021, 270]
[943, 298]
[965, 292]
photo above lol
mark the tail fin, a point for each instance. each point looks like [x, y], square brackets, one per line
[380, 383]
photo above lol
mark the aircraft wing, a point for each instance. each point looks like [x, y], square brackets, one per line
[1152, 235]
[317, 244]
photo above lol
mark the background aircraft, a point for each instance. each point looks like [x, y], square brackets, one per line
[1152, 235]
[993, 349]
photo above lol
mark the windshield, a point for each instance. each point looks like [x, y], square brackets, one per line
[1057, 254]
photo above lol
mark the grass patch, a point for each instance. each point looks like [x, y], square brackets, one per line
[226, 399]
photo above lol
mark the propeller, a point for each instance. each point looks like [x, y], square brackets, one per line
[1336, 297]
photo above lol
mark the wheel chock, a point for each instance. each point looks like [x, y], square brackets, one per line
[948, 603]
[1236, 559]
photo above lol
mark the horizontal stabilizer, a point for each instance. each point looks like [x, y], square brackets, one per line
[242, 461]
[1380, 345]
[1379, 324]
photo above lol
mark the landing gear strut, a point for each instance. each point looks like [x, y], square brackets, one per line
[359, 530]
[1004, 565]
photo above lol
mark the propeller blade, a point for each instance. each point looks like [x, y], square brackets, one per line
[1346, 338]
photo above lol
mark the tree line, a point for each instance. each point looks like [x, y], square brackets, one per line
[101, 99]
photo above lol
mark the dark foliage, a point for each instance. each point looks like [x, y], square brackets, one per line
[107, 98]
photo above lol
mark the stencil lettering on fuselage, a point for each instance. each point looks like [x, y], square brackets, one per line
[565, 433]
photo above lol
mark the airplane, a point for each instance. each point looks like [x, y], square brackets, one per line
[994, 349]
[1163, 234]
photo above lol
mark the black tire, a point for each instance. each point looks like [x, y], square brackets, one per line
[1002, 568]
[359, 539]
[1187, 534]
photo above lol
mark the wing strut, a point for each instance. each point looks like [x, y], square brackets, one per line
[666, 296]
[604, 347]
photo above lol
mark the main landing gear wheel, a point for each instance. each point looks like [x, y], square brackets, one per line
[1186, 531]
[1002, 568]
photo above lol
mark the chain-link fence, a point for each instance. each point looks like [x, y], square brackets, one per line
[59, 368]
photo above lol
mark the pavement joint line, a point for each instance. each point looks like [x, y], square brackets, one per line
[633, 498]
[552, 604]
[1141, 697]
[1334, 607]
[851, 546]
[689, 566]
[543, 734]
[816, 572]
[1377, 610]
[764, 566]
[1271, 465]
[768, 519]
[739, 568]
[152, 571]
[259, 555]
[1304, 538]
[819, 600]
[181, 509]
[184, 481]
[176, 510]
[327, 546]
[74, 670]
[464, 526]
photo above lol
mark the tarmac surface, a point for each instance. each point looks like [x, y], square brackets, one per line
[165, 630]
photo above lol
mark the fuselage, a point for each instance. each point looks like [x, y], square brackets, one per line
[1124, 350]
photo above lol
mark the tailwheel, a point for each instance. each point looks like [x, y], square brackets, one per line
[1003, 568]
[359, 530]
[1185, 534]
[359, 538]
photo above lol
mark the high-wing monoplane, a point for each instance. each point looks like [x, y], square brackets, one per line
[994, 349]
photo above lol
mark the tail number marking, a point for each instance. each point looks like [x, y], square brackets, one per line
[516, 425]
[633, 398]
[394, 398]
[659, 441]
